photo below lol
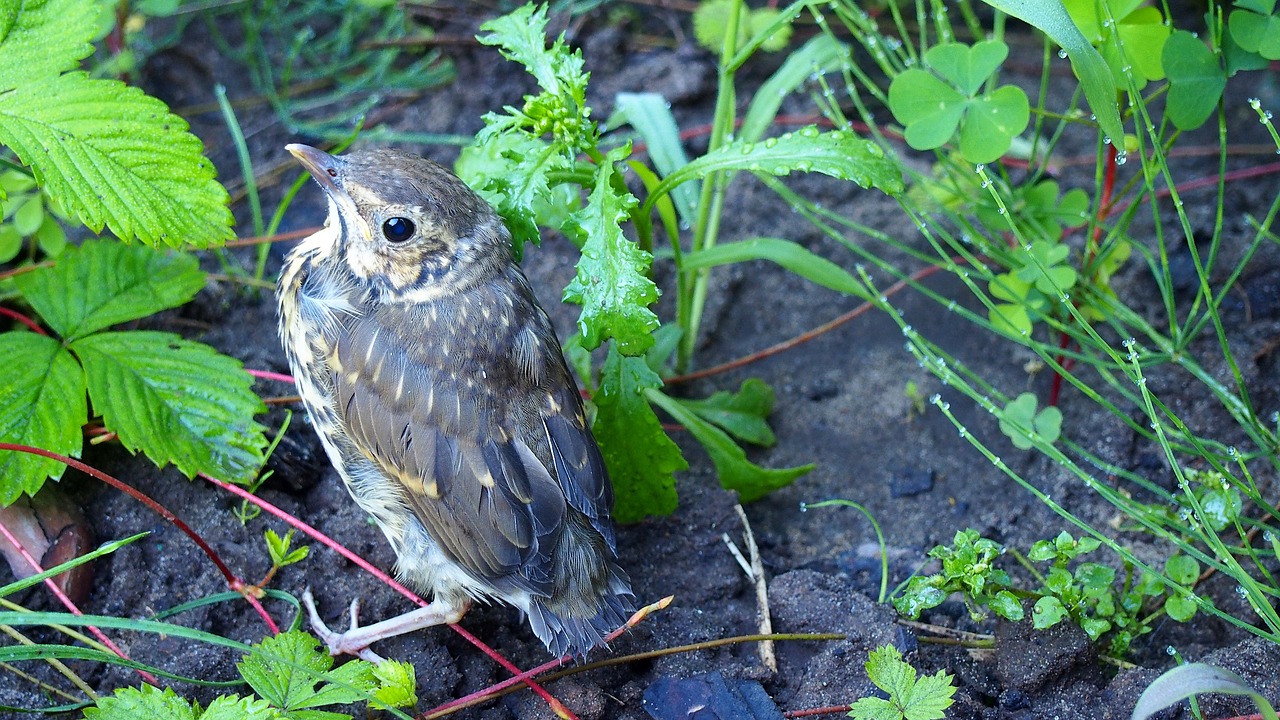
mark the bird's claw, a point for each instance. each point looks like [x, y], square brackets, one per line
[339, 643]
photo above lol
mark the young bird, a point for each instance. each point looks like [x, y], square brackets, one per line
[440, 392]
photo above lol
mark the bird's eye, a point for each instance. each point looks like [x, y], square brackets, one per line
[398, 229]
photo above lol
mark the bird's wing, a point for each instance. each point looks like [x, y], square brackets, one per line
[430, 423]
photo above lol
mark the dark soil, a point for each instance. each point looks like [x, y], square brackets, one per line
[840, 404]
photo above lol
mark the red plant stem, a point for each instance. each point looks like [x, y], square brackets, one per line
[1104, 210]
[68, 604]
[19, 317]
[809, 335]
[266, 239]
[268, 375]
[233, 582]
[368, 567]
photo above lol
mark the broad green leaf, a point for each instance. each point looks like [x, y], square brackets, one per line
[1051, 18]
[41, 404]
[612, 284]
[991, 123]
[1047, 612]
[968, 67]
[785, 253]
[112, 156]
[178, 401]
[641, 458]
[10, 242]
[1184, 681]
[650, 115]
[820, 54]
[285, 669]
[734, 470]
[230, 707]
[41, 38]
[838, 153]
[397, 683]
[742, 414]
[1180, 608]
[924, 699]
[1006, 605]
[930, 698]
[104, 283]
[1196, 81]
[1141, 30]
[1256, 29]
[928, 108]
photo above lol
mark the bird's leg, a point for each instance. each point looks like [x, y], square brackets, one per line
[356, 640]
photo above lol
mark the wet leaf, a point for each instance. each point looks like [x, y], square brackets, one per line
[1196, 81]
[41, 404]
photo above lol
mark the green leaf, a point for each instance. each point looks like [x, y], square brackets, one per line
[1256, 29]
[1048, 611]
[41, 404]
[743, 414]
[612, 284]
[1182, 569]
[822, 53]
[104, 283]
[178, 401]
[10, 242]
[650, 115]
[734, 470]
[141, 703]
[1184, 681]
[41, 38]
[1006, 605]
[641, 458]
[1196, 80]
[512, 171]
[112, 156]
[521, 37]
[397, 683]
[931, 109]
[284, 669]
[1020, 416]
[838, 153]
[788, 254]
[1051, 18]
[909, 698]
[1180, 607]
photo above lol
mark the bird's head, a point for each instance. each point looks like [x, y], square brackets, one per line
[404, 224]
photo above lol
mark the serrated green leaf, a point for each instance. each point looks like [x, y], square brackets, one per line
[1196, 80]
[1051, 18]
[874, 708]
[141, 703]
[930, 698]
[178, 401]
[230, 707]
[510, 170]
[112, 156]
[838, 153]
[284, 669]
[41, 38]
[41, 404]
[612, 284]
[641, 458]
[521, 37]
[732, 467]
[887, 670]
[743, 414]
[104, 283]
[396, 683]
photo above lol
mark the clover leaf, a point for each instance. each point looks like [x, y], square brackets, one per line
[1255, 28]
[933, 103]
[1141, 30]
[1020, 419]
[1196, 80]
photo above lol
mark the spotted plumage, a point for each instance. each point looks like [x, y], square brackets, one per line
[438, 388]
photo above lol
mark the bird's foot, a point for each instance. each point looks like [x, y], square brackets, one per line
[341, 643]
[356, 640]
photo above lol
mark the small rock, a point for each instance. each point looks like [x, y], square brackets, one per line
[1027, 658]
[911, 481]
[709, 697]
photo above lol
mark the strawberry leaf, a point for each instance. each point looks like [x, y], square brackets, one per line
[43, 37]
[104, 283]
[41, 404]
[141, 383]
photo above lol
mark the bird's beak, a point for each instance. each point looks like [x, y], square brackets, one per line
[322, 166]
